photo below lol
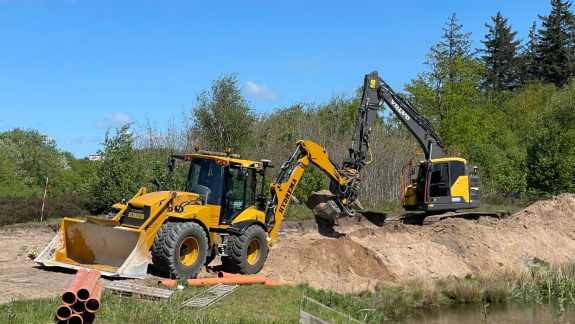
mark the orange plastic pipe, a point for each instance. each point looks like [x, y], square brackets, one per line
[93, 303]
[76, 319]
[88, 317]
[63, 312]
[70, 295]
[88, 285]
[273, 283]
[167, 283]
[234, 280]
[79, 307]
[222, 274]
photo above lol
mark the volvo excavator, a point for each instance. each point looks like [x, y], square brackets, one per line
[438, 184]
[216, 213]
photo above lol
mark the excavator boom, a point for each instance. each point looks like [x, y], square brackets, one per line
[344, 185]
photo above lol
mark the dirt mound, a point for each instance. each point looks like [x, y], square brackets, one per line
[346, 258]
[363, 255]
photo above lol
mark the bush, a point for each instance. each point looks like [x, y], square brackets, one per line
[27, 209]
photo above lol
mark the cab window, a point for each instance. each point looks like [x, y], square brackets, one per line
[457, 170]
[206, 179]
[238, 195]
[439, 180]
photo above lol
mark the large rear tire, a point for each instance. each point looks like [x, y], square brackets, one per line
[179, 249]
[247, 252]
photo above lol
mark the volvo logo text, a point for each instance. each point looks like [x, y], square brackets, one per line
[401, 112]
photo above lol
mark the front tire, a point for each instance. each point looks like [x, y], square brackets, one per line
[247, 253]
[179, 249]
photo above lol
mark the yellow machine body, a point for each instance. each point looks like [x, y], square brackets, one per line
[121, 250]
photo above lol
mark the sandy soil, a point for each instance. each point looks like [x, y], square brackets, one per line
[363, 255]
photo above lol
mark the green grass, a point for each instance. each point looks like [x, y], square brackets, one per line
[263, 304]
[38, 223]
[248, 304]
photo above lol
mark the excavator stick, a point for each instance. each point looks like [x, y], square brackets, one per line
[115, 250]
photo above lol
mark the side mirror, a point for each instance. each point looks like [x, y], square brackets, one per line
[242, 174]
[172, 165]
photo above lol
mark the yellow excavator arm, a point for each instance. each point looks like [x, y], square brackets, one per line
[344, 185]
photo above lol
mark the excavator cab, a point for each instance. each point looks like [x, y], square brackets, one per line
[440, 185]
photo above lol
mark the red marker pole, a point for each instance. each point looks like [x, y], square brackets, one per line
[44, 200]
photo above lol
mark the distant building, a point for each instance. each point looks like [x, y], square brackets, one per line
[95, 158]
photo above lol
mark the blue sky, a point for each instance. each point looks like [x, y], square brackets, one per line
[70, 69]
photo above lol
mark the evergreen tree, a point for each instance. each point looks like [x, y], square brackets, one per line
[555, 47]
[446, 92]
[529, 59]
[501, 56]
[454, 43]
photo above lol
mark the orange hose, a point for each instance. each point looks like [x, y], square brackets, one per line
[222, 274]
[273, 283]
[76, 319]
[93, 303]
[167, 283]
[88, 285]
[234, 280]
[63, 312]
[70, 295]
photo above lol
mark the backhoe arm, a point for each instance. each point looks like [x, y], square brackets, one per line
[344, 183]
[376, 91]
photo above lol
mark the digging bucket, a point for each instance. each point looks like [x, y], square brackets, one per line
[101, 244]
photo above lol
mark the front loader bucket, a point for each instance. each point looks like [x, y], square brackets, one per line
[114, 250]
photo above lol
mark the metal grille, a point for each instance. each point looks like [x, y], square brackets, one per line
[143, 292]
[209, 296]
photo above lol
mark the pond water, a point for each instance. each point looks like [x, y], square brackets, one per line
[501, 313]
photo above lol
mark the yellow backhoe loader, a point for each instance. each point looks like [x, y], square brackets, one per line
[217, 213]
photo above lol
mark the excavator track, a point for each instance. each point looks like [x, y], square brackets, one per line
[427, 219]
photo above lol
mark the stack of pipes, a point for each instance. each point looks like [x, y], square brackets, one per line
[81, 300]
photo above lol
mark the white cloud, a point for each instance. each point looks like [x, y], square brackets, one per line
[78, 140]
[119, 118]
[100, 125]
[260, 91]
[303, 64]
[95, 140]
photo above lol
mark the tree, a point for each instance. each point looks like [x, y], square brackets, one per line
[555, 47]
[501, 56]
[223, 116]
[529, 58]
[551, 145]
[454, 43]
[448, 90]
[119, 174]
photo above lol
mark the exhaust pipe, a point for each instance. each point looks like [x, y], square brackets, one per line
[69, 296]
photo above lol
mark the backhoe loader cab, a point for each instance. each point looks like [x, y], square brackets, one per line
[216, 213]
[440, 185]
